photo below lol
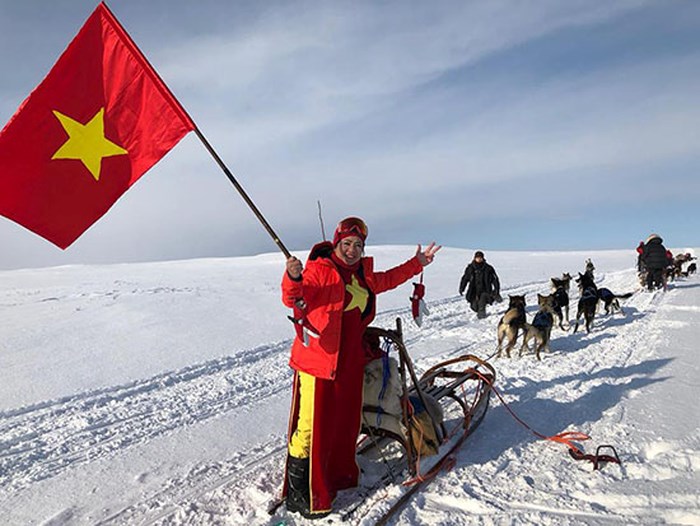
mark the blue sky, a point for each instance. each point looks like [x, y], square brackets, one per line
[496, 125]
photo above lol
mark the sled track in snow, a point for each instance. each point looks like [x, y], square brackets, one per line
[43, 440]
[183, 495]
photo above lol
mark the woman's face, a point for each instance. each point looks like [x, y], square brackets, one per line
[349, 250]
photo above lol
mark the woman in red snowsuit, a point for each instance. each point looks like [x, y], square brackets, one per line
[337, 289]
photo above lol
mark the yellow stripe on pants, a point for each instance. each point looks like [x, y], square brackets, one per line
[300, 443]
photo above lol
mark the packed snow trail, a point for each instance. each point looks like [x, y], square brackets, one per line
[41, 441]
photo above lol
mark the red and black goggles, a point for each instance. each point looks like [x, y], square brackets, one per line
[352, 225]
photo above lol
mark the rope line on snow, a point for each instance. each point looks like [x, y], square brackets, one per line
[567, 438]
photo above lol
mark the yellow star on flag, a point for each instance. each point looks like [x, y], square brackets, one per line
[87, 142]
[359, 295]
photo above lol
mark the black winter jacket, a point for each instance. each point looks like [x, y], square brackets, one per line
[654, 255]
[481, 277]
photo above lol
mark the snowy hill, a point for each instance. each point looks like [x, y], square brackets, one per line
[158, 394]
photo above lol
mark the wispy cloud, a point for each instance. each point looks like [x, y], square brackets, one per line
[307, 66]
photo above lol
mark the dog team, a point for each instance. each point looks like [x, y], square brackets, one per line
[484, 289]
[554, 308]
[656, 265]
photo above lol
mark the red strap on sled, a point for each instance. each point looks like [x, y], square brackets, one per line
[447, 463]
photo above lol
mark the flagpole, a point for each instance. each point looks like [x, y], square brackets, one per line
[320, 218]
[205, 142]
[243, 193]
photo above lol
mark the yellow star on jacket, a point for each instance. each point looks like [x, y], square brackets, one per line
[87, 142]
[359, 295]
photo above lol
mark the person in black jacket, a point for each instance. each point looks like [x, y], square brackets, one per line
[484, 287]
[655, 261]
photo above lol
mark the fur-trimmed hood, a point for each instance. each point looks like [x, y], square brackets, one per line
[652, 237]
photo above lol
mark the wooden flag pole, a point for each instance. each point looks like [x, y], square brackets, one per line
[320, 218]
[243, 193]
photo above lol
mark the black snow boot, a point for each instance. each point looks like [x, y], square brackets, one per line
[298, 499]
[298, 484]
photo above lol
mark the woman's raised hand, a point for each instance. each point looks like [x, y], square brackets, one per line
[425, 257]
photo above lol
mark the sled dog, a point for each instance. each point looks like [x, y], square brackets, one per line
[563, 282]
[590, 267]
[511, 322]
[541, 327]
[560, 287]
[610, 300]
[588, 302]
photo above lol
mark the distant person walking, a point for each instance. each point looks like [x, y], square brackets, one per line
[640, 253]
[483, 285]
[655, 262]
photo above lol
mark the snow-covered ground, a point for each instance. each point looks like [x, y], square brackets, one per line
[158, 394]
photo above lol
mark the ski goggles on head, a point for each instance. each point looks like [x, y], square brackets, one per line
[351, 226]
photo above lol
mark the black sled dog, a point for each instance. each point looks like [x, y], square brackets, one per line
[588, 302]
[511, 322]
[560, 288]
[590, 267]
[541, 327]
[610, 300]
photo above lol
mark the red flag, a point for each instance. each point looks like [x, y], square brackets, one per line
[98, 121]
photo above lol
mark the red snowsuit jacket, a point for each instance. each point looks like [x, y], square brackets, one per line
[323, 290]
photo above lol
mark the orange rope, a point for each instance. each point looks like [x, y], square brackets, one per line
[568, 438]
[447, 463]
[565, 438]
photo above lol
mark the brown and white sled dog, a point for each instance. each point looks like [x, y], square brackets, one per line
[560, 290]
[511, 322]
[541, 327]
[563, 282]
